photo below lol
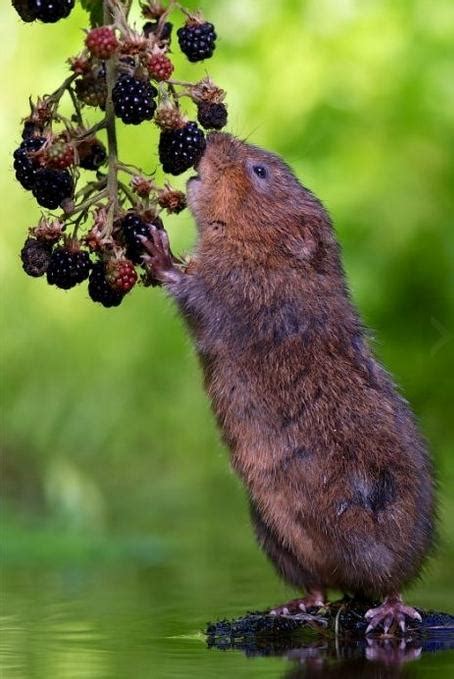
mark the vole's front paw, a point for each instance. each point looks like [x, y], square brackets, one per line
[158, 259]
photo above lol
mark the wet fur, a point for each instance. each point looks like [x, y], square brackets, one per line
[339, 479]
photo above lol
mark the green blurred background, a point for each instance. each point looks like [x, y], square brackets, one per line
[113, 475]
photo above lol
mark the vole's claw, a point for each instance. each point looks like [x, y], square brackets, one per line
[297, 606]
[157, 257]
[392, 612]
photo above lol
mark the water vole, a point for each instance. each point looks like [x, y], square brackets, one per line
[339, 480]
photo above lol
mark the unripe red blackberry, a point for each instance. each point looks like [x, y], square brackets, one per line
[101, 42]
[26, 164]
[180, 149]
[92, 154]
[35, 256]
[121, 275]
[100, 290]
[133, 99]
[197, 39]
[68, 267]
[52, 187]
[159, 67]
[211, 116]
[58, 155]
[132, 226]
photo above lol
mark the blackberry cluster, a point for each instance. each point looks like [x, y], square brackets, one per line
[99, 288]
[68, 268]
[94, 224]
[197, 40]
[180, 149]
[212, 116]
[47, 11]
[133, 99]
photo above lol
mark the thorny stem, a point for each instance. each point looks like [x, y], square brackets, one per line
[55, 96]
[76, 105]
[112, 148]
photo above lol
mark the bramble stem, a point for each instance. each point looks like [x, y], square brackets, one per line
[112, 148]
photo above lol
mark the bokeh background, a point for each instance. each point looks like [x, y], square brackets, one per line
[122, 524]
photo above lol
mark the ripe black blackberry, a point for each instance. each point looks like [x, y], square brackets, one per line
[25, 165]
[211, 115]
[35, 256]
[133, 99]
[92, 155]
[67, 267]
[52, 187]
[31, 129]
[197, 40]
[50, 11]
[150, 27]
[100, 290]
[132, 226]
[25, 9]
[179, 149]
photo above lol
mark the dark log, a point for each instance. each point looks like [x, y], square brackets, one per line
[335, 630]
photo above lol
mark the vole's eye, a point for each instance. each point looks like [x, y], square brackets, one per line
[260, 171]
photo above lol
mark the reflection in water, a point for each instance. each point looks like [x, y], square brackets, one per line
[320, 657]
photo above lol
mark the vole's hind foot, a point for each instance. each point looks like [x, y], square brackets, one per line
[392, 613]
[315, 599]
[158, 258]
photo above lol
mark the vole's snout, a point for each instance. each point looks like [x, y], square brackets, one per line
[221, 150]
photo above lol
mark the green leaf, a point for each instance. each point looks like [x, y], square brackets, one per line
[95, 10]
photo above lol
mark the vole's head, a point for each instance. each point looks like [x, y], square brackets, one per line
[247, 193]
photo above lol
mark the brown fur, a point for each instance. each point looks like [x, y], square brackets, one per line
[339, 480]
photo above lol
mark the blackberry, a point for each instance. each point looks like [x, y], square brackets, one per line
[180, 149]
[25, 9]
[52, 187]
[212, 116]
[35, 256]
[197, 40]
[101, 41]
[121, 275]
[26, 167]
[159, 67]
[92, 155]
[31, 129]
[132, 226]
[150, 27]
[50, 11]
[100, 290]
[68, 268]
[133, 99]
[92, 89]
